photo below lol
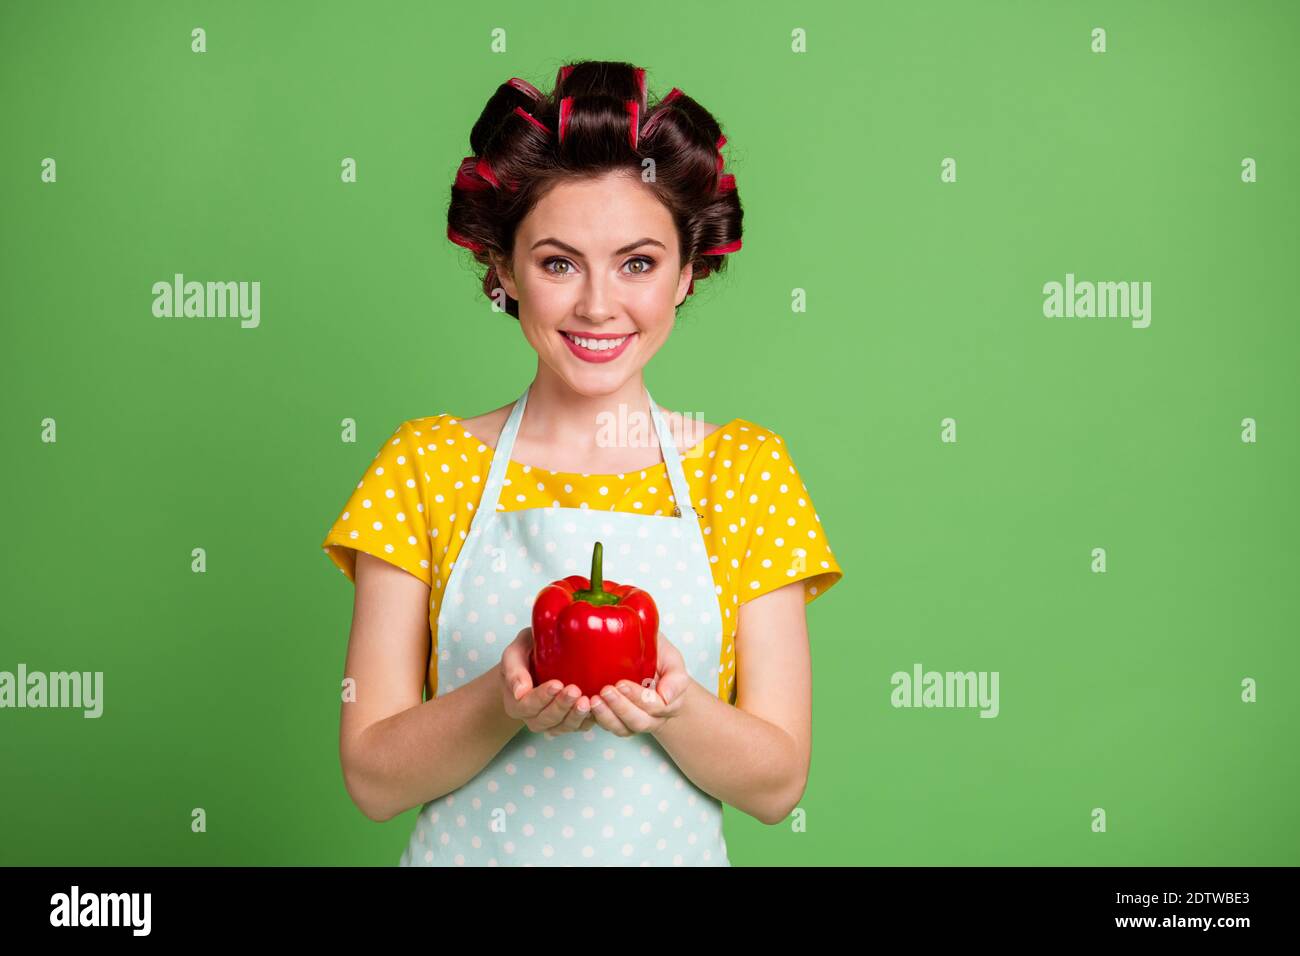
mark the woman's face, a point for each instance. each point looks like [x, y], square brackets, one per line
[596, 274]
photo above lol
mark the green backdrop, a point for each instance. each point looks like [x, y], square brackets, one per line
[1119, 690]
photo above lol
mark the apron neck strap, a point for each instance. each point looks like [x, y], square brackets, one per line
[506, 443]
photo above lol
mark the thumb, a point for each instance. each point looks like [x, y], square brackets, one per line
[521, 681]
[664, 686]
[673, 686]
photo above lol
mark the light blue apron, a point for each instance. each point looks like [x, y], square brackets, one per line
[589, 798]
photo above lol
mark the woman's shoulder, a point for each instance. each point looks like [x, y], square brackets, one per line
[430, 428]
[485, 428]
[426, 438]
[739, 434]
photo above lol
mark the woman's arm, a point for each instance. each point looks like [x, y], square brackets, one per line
[755, 755]
[398, 750]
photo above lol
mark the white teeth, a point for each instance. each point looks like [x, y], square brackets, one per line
[598, 345]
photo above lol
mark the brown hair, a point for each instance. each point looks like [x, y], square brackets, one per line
[595, 120]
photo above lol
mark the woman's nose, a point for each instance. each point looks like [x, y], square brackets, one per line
[599, 298]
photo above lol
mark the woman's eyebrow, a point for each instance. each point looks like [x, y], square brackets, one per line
[618, 252]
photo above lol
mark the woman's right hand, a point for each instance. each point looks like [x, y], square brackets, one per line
[551, 708]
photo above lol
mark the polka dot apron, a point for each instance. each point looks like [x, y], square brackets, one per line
[589, 798]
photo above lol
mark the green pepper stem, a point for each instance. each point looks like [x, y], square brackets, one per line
[596, 594]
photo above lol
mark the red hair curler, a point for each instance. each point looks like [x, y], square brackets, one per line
[524, 86]
[722, 250]
[566, 107]
[659, 111]
[633, 111]
[533, 119]
[465, 241]
[716, 251]
[468, 178]
[484, 170]
[726, 182]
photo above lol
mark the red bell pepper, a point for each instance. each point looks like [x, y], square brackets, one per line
[594, 633]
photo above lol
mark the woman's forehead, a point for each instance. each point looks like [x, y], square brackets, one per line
[596, 220]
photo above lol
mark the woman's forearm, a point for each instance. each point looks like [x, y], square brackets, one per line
[735, 756]
[430, 749]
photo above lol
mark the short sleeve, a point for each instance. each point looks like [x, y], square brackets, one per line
[385, 515]
[787, 542]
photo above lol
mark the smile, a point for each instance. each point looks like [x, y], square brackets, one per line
[597, 348]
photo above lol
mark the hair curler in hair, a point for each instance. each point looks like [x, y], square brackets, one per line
[633, 111]
[660, 111]
[465, 241]
[484, 170]
[519, 110]
[716, 251]
[468, 178]
[722, 250]
[566, 107]
[524, 86]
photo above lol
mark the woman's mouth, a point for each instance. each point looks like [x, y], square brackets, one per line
[597, 348]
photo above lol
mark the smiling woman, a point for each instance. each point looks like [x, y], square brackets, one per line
[594, 217]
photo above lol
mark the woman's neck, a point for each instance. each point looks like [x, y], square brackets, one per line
[557, 416]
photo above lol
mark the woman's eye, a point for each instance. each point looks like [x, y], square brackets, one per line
[639, 265]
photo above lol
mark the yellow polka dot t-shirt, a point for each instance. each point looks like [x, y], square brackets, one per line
[414, 504]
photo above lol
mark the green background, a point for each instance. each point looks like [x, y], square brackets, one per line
[1118, 690]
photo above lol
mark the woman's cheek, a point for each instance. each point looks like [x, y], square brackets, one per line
[549, 303]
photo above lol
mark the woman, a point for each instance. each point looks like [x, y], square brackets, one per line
[594, 216]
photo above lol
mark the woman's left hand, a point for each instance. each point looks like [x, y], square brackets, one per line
[633, 709]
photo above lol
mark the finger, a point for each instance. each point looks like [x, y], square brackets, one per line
[673, 686]
[607, 719]
[643, 697]
[555, 712]
[514, 668]
[517, 678]
[580, 711]
[634, 718]
[673, 678]
[575, 720]
[539, 698]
